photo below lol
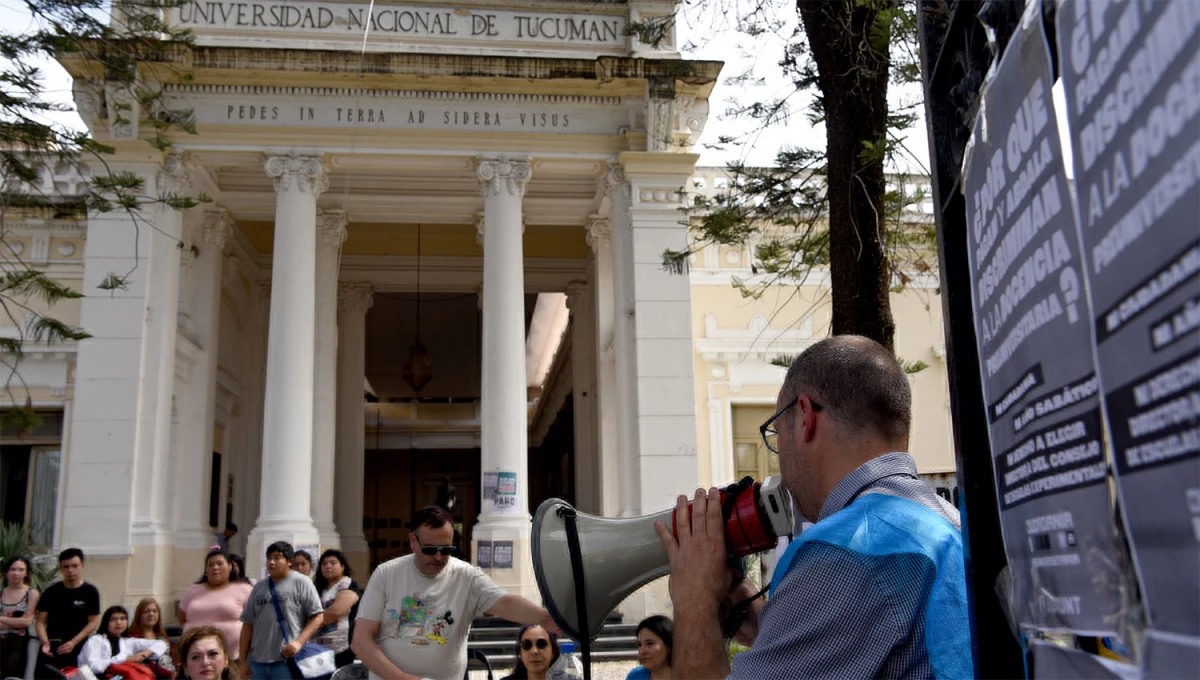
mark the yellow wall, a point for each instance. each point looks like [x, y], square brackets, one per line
[918, 338]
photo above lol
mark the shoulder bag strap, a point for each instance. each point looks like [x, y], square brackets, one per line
[278, 611]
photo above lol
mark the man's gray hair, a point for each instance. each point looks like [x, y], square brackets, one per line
[858, 382]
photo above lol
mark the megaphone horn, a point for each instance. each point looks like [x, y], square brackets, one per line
[586, 565]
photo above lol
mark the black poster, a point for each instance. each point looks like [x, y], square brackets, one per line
[1131, 72]
[1036, 352]
[483, 554]
[502, 554]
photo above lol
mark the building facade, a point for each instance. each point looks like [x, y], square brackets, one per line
[479, 191]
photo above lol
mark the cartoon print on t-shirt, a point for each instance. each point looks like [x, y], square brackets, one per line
[418, 622]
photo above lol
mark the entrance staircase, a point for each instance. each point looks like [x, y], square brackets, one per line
[497, 639]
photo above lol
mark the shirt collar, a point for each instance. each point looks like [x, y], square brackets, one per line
[887, 465]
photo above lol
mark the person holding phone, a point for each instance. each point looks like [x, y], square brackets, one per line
[67, 613]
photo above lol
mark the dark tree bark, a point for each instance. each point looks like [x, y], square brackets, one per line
[853, 80]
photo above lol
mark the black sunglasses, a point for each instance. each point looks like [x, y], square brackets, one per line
[445, 550]
[770, 435]
[541, 643]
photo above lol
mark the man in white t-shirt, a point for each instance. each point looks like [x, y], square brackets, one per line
[417, 610]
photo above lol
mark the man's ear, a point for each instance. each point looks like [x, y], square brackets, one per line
[810, 420]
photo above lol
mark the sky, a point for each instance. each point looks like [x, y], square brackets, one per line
[706, 33]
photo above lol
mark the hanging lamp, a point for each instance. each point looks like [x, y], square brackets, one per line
[417, 370]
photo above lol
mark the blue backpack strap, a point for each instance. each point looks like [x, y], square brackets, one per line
[278, 611]
[880, 524]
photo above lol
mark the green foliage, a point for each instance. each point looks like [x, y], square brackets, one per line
[14, 541]
[912, 367]
[125, 48]
[783, 210]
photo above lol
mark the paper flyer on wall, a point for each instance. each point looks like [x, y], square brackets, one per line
[1131, 74]
[1035, 347]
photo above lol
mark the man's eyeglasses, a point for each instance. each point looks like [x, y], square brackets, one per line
[770, 435]
[541, 643]
[445, 550]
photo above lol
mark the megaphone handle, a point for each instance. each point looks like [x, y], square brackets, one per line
[580, 592]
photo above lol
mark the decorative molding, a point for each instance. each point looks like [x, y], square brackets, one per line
[757, 341]
[263, 291]
[307, 172]
[479, 224]
[331, 227]
[15, 247]
[40, 251]
[66, 249]
[175, 177]
[660, 195]
[599, 233]
[356, 296]
[364, 93]
[124, 110]
[497, 173]
[217, 227]
[576, 290]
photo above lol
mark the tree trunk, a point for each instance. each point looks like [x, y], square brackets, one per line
[853, 79]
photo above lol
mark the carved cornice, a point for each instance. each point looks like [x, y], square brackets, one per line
[503, 173]
[217, 227]
[356, 296]
[302, 172]
[331, 227]
[599, 233]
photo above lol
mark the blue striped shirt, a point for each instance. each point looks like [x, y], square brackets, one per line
[837, 613]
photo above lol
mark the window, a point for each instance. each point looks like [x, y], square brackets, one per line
[43, 495]
[750, 456]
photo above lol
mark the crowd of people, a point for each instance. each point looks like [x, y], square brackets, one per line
[843, 602]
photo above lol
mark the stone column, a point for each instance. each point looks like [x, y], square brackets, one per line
[504, 427]
[354, 299]
[331, 233]
[583, 371]
[624, 343]
[599, 238]
[288, 405]
[198, 400]
[151, 483]
[663, 377]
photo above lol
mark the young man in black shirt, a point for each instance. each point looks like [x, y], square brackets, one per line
[67, 612]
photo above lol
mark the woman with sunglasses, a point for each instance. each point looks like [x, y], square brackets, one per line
[537, 651]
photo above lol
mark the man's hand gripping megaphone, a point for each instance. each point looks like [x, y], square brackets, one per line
[700, 577]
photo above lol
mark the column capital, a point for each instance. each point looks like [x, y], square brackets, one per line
[616, 184]
[331, 227]
[302, 172]
[599, 232]
[216, 227]
[575, 290]
[175, 177]
[497, 174]
[356, 296]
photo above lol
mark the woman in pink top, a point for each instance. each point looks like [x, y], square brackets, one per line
[216, 600]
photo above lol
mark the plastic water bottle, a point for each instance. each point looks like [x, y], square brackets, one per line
[569, 665]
